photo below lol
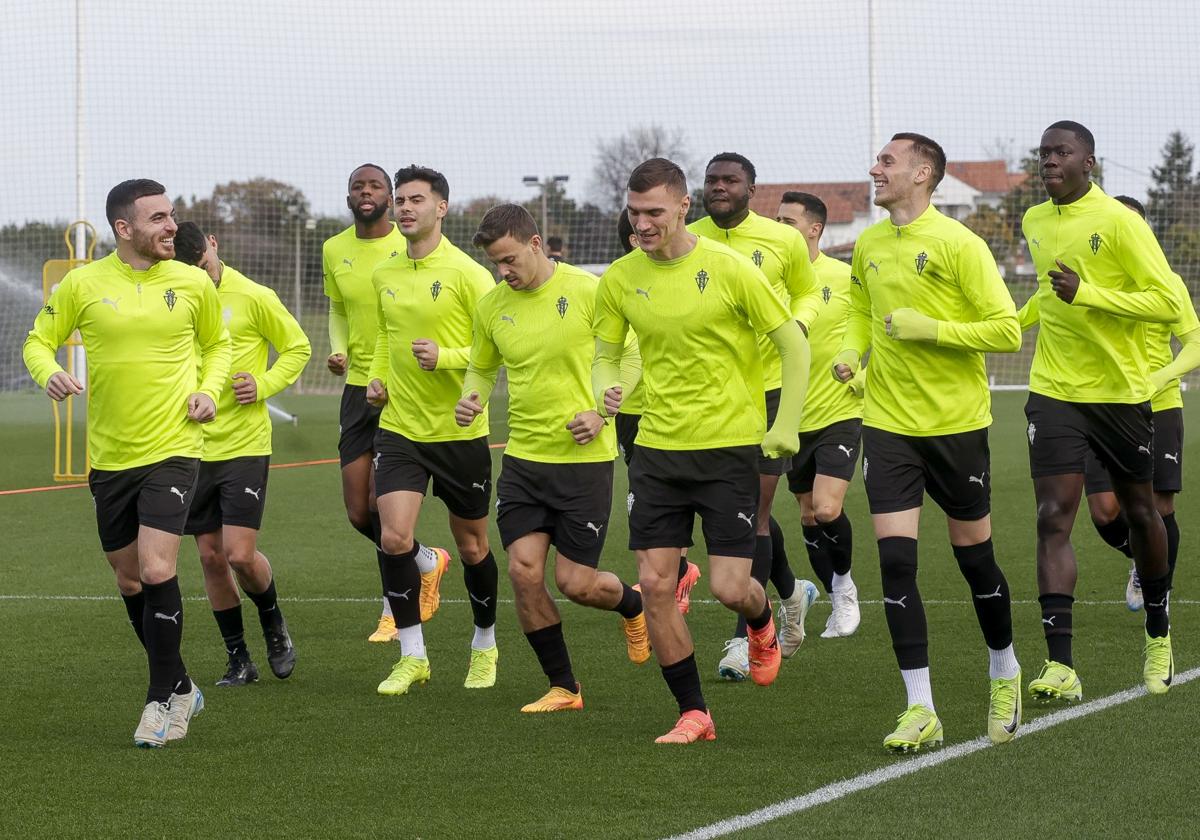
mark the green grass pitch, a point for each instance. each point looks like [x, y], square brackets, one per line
[321, 755]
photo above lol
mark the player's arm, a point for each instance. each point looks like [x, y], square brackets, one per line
[631, 364]
[804, 292]
[377, 378]
[1187, 331]
[280, 328]
[1031, 312]
[476, 281]
[768, 318]
[1142, 259]
[857, 337]
[51, 328]
[610, 329]
[339, 323]
[482, 370]
[997, 331]
[215, 355]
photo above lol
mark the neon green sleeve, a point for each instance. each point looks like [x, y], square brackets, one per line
[858, 316]
[453, 358]
[484, 364]
[474, 283]
[283, 331]
[606, 370]
[52, 327]
[1187, 361]
[631, 365]
[216, 349]
[339, 328]
[1142, 258]
[803, 289]
[1031, 312]
[998, 330]
[381, 360]
[795, 356]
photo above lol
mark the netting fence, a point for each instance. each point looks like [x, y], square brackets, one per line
[253, 116]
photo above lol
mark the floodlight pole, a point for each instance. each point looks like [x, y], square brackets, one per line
[80, 210]
[544, 186]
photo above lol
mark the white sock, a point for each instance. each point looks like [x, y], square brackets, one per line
[412, 641]
[1002, 664]
[427, 559]
[842, 582]
[916, 682]
[485, 637]
[387, 608]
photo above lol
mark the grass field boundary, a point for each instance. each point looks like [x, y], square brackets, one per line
[892, 772]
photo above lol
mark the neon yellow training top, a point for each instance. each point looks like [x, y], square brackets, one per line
[781, 253]
[256, 319]
[347, 263]
[938, 267]
[1093, 349]
[141, 331]
[697, 320]
[432, 298]
[829, 401]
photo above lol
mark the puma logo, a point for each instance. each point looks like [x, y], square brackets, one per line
[749, 519]
[1171, 457]
[812, 543]
[644, 293]
[1037, 243]
[996, 594]
[1049, 622]
[508, 318]
[482, 487]
[871, 264]
[483, 602]
[1145, 449]
[1161, 605]
[403, 594]
[375, 460]
[594, 527]
[182, 494]
[896, 603]
[255, 493]
[390, 293]
[350, 263]
[976, 479]
[831, 537]
[174, 619]
[848, 450]
[111, 302]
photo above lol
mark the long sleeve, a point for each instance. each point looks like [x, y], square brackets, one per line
[804, 291]
[1142, 258]
[215, 347]
[796, 357]
[381, 359]
[453, 358]
[1031, 312]
[51, 328]
[631, 365]
[339, 328]
[472, 286]
[606, 370]
[858, 316]
[1186, 361]
[289, 341]
[484, 364]
[998, 330]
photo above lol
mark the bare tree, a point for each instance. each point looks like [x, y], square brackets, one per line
[617, 157]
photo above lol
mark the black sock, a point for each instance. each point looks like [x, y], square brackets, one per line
[1172, 527]
[551, 651]
[989, 592]
[1116, 534]
[630, 605]
[162, 621]
[267, 603]
[902, 602]
[683, 564]
[135, 608]
[233, 632]
[760, 570]
[818, 556]
[781, 573]
[839, 538]
[481, 590]
[683, 678]
[402, 587]
[1056, 624]
[1154, 599]
[762, 619]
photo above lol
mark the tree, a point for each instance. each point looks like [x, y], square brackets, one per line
[617, 157]
[1172, 198]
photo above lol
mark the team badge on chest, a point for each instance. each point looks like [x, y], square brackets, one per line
[170, 298]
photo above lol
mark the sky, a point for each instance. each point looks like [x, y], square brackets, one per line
[201, 94]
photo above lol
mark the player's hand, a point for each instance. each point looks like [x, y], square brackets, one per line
[910, 325]
[201, 408]
[777, 443]
[377, 394]
[845, 365]
[245, 389]
[613, 398]
[858, 383]
[426, 352]
[337, 364]
[1158, 381]
[468, 408]
[61, 385]
[1064, 282]
[585, 426]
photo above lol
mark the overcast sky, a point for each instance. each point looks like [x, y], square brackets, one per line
[200, 94]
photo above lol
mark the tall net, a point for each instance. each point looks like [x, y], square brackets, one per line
[254, 114]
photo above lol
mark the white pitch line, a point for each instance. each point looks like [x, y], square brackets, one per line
[838, 790]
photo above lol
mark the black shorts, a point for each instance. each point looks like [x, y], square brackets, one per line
[1168, 457]
[156, 495]
[667, 488]
[831, 451]
[627, 429]
[570, 502]
[1061, 434]
[359, 421]
[461, 471]
[772, 466]
[232, 492]
[954, 469]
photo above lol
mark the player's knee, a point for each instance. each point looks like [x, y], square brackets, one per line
[213, 562]
[575, 585]
[825, 511]
[524, 575]
[730, 591]
[472, 548]
[1054, 519]
[656, 587]
[128, 586]
[396, 542]
[1141, 514]
[1103, 508]
[241, 560]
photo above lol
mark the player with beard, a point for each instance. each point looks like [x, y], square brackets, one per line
[1101, 278]
[781, 253]
[347, 261]
[144, 318]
